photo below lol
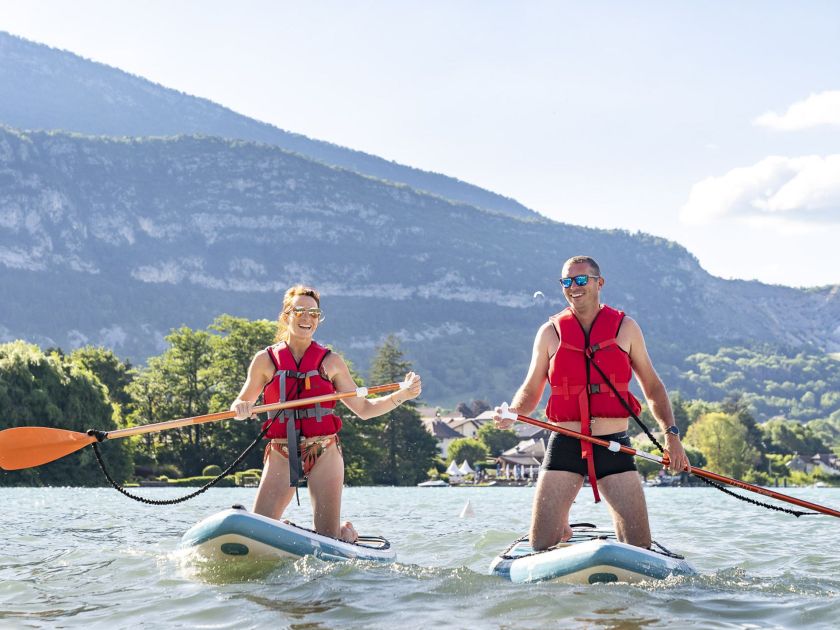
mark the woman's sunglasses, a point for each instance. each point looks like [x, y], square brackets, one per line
[299, 311]
[581, 280]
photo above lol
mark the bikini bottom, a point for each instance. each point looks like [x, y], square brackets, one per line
[311, 449]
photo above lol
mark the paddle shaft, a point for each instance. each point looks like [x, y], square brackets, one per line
[616, 447]
[224, 415]
[26, 447]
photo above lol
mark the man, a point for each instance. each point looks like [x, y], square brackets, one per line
[588, 353]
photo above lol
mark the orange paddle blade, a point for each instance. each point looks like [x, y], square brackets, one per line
[26, 447]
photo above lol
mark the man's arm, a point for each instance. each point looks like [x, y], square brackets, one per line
[654, 392]
[528, 395]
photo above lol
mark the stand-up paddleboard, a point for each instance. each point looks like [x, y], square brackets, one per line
[236, 533]
[591, 556]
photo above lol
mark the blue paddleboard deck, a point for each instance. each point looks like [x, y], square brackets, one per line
[237, 533]
[591, 556]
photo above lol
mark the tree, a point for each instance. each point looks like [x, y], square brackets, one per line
[479, 407]
[722, 439]
[787, 437]
[496, 440]
[740, 408]
[109, 369]
[55, 391]
[361, 442]
[471, 410]
[149, 393]
[410, 449]
[179, 384]
[234, 344]
[469, 449]
[464, 409]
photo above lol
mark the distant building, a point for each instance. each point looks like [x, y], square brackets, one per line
[442, 432]
[467, 427]
[530, 432]
[826, 463]
[527, 453]
[445, 429]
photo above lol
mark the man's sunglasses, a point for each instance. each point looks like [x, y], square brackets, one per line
[298, 312]
[581, 280]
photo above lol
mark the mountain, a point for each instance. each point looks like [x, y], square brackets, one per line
[43, 88]
[117, 240]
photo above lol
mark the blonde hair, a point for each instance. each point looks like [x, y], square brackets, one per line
[299, 289]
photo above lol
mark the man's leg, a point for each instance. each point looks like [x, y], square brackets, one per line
[626, 499]
[556, 491]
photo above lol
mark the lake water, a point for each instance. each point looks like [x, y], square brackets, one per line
[90, 558]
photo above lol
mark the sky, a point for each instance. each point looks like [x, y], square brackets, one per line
[714, 124]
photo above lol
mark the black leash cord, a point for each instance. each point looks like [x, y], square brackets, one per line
[100, 436]
[714, 484]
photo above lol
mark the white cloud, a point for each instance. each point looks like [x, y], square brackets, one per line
[817, 109]
[794, 190]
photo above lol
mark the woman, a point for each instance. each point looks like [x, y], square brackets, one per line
[295, 368]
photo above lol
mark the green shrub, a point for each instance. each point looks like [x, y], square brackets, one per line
[169, 470]
[211, 471]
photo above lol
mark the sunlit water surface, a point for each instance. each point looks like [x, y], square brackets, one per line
[77, 557]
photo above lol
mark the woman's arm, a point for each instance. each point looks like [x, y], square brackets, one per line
[260, 372]
[338, 372]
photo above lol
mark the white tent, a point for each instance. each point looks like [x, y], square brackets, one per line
[465, 468]
[453, 469]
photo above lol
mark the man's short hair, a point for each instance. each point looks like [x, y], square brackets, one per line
[584, 259]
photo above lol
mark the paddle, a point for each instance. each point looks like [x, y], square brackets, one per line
[26, 447]
[699, 472]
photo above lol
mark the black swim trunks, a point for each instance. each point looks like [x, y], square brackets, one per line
[563, 453]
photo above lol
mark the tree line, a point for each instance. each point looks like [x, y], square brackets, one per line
[775, 383]
[201, 371]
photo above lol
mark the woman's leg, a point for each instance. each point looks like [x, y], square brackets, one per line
[274, 493]
[326, 481]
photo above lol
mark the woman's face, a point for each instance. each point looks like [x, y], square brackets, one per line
[303, 316]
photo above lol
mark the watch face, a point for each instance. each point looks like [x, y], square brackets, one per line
[673, 430]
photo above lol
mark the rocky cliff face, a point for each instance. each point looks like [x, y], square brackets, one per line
[115, 241]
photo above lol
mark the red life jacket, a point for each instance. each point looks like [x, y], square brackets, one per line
[293, 381]
[578, 394]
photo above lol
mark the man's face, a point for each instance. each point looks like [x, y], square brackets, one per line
[586, 296]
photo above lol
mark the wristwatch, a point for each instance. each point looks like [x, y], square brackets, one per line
[673, 430]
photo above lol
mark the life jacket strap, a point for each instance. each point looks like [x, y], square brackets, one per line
[586, 447]
[304, 414]
[565, 390]
[591, 350]
[603, 388]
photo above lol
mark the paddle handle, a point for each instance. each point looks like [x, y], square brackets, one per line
[224, 415]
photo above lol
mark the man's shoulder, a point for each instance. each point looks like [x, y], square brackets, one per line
[629, 329]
